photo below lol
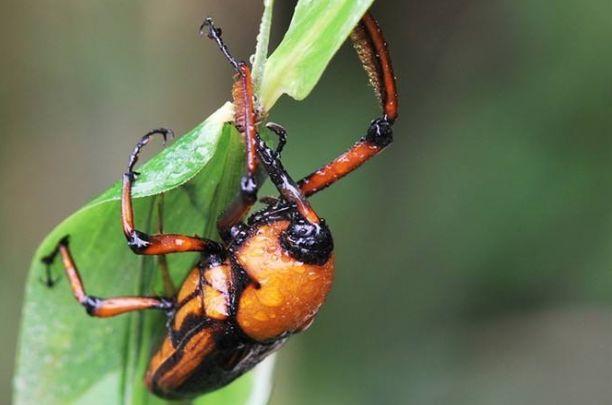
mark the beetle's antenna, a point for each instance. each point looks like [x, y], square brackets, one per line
[214, 33]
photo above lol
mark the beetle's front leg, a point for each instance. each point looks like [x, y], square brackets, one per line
[159, 244]
[102, 307]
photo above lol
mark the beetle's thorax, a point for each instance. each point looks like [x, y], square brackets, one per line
[285, 293]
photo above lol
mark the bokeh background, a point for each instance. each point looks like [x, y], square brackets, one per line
[474, 256]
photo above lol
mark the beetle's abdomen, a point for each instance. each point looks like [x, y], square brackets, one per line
[172, 366]
[202, 304]
[286, 294]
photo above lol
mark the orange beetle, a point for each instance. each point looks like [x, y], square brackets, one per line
[270, 274]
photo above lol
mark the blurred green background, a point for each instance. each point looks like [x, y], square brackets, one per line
[473, 256]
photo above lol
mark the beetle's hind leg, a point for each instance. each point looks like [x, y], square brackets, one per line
[373, 52]
[102, 307]
[159, 244]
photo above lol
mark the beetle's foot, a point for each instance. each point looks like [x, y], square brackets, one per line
[213, 32]
[48, 260]
[281, 133]
[209, 24]
[48, 281]
[165, 134]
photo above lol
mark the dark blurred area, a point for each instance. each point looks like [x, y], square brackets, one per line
[474, 256]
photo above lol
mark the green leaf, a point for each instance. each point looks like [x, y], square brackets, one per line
[75, 356]
[317, 30]
[65, 356]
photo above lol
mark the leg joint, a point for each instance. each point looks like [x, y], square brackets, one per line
[380, 132]
[166, 304]
[90, 304]
[138, 241]
[248, 189]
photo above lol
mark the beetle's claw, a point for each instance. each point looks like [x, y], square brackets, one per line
[48, 260]
[281, 133]
[50, 282]
[209, 25]
[164, 132]
[64, 241]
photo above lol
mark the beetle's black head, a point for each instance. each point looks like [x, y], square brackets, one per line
[308, 243]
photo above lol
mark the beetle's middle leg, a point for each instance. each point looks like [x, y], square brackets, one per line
[102, 307]
[159, 244]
